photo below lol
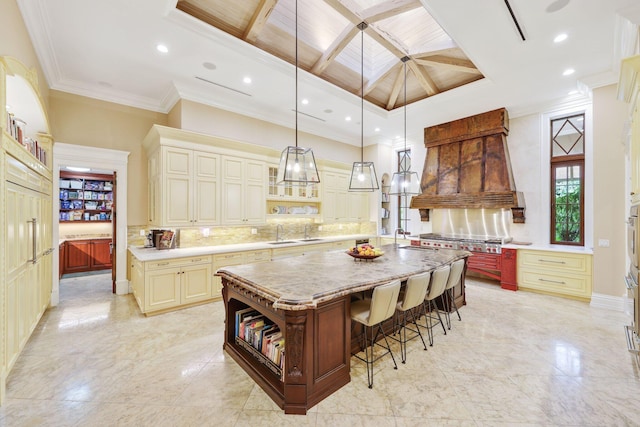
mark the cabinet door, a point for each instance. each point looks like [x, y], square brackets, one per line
[206, 179]
[232, 191]
[77, 256]
[177, 186]
[195, 283]
[254, 197]
[162, 289]
[358, 206]
[137, 281]
[100, 254]
[635, 156]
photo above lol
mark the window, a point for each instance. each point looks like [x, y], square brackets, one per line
[567, 180]
[404, 165]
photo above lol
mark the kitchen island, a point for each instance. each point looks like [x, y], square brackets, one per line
[308, 299]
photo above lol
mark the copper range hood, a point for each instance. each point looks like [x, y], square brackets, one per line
[468, 166]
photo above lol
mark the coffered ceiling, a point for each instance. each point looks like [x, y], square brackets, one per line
[466, 57]
[330, 44]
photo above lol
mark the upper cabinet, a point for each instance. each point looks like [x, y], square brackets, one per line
[198, 181]
[184, 189]
[243, 191]
[628, 91]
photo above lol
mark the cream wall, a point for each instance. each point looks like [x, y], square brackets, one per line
[15, 41]
[84, 121]
[610, 196]
[213, 121]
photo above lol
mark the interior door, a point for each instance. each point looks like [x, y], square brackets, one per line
[114, 220]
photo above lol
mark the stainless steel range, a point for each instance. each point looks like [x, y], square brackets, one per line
[482, 244]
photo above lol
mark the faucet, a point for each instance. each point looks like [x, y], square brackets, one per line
[307, 228]
[395, 235]
[279, 229]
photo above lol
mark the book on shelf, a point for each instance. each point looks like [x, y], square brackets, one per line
[240, 315]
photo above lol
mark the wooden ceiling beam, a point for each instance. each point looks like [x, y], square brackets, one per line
[334, 50]
[456, 64]
[395, 91]
[423, 77]
[259, 20]
[346, 8]
[374, 81]
[389, 9]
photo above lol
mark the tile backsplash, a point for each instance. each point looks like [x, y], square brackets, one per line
[292, 229]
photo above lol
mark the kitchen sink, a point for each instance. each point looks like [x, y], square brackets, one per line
[282, 242]
[310, 240]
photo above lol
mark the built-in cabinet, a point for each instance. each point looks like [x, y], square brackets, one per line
[160, 286]
[628, 91]
[335, 206]
[26, 242]
[235, 258]
[86, 255]
[559, 273]
[243, 191]
[183, 188]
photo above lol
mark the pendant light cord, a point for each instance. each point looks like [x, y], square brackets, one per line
[362, 27]
[404, 60]
[296, 100]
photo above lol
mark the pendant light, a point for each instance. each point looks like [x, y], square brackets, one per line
[363, 174]
[297, 164]
[405, 182]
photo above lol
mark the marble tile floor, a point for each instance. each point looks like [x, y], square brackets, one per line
[516, 359]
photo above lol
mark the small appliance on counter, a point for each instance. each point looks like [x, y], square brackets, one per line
[163, 239]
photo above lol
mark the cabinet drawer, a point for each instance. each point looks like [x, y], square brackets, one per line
[556, 261]
[258, 256]
[566, 285]
[484, 261]
[235, 258]
[177, 262]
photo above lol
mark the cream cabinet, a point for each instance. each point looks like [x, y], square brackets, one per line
[358, 206]
[160, 286]
[235, 258]
[288, 191]
[629, 90]
[184, 187]
[243, 191]
[335, 202]
[558, 273]
[26, 210]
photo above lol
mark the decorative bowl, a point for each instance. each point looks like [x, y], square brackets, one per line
[358, 256]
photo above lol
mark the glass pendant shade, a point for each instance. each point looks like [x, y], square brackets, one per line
[363, 177]
[405, 184]
[297, 167]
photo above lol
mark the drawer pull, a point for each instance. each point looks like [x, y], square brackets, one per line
[162, 263]
[552, 281]
[196, 260]
[550, 260]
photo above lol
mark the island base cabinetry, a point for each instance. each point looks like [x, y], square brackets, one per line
[317, 345]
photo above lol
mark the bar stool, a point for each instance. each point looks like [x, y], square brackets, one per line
[414, 294]
[371, 314]
[454, 278]
[436, 288]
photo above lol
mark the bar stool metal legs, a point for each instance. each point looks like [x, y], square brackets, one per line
[447, 298]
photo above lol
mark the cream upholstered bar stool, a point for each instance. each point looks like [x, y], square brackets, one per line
[415, 292]
[447, 299]
[438, 282]
[371, 314]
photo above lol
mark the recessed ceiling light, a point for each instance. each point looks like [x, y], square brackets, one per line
[78, 169]
[556, 6]
[348, 118]
[560, 38]
[247, 80]
[377, 129]
[162, 48]
[305, 101]
[209, 65]
[328, 111]
[568, 72]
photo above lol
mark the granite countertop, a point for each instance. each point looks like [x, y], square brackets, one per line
[548, 247]
[153, 254]
[303, 282]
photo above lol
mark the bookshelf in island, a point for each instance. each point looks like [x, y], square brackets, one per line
[302, 309]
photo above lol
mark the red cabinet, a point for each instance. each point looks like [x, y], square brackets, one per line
[509, 277]
[86, 255]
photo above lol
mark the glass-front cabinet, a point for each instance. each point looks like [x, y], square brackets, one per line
[309, 192]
